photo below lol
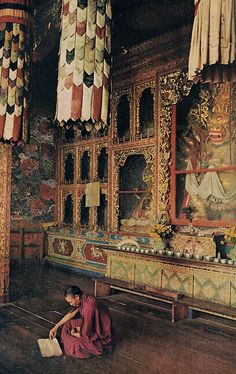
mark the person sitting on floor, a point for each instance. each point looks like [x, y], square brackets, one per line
[87, 328]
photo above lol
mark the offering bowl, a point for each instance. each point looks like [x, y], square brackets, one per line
[188, 255]
[208, 258]
[197, 256]
[178, 254]
[223, 260]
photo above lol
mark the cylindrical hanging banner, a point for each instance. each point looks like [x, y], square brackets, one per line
[14, 69]
[84, 64]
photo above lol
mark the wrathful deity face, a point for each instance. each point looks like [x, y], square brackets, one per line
[220, 129]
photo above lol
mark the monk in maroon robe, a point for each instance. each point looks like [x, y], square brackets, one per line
[86, 329]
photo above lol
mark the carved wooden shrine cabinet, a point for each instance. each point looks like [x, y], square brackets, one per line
[166, 153]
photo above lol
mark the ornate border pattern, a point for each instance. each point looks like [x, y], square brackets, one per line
[173, 87]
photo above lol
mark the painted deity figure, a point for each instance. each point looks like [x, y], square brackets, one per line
[213, 194]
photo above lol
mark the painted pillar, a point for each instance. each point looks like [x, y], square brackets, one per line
[5, 198]
[14, 76]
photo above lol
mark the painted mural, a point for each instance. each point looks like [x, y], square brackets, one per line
[33, 174]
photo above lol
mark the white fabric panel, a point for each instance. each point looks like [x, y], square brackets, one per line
[213, 35]
[87, 103]
[64, 101]
[8, 128]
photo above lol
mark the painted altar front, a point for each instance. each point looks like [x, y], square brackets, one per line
[98, 254]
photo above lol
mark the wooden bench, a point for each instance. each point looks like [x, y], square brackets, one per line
[181, 306]
[197, 306]
[105, 286]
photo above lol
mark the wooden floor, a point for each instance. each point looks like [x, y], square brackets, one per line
[146, 341]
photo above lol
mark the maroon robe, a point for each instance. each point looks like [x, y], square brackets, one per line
[95, 329]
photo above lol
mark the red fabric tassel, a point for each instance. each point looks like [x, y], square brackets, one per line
[2, 123]
[16, 128]
[77, 95]
[97, 102]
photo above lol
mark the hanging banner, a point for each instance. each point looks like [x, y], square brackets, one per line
[84, 63]
[14, 69]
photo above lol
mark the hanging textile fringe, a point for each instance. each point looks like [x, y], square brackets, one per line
[84, 63]
[212, 54]
[14, 69]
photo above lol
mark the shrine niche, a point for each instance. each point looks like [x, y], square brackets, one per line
[68, 211]
[123, 117]
[205, 157]
[69, 167]
[122, 114]
[146, 112]
[102, 171]
[85, 166]
[102, 212]
[134, 190]
[84, 211]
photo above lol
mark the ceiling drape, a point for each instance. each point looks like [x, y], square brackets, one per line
[212, 53]
[84, 63]
[14, 68]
